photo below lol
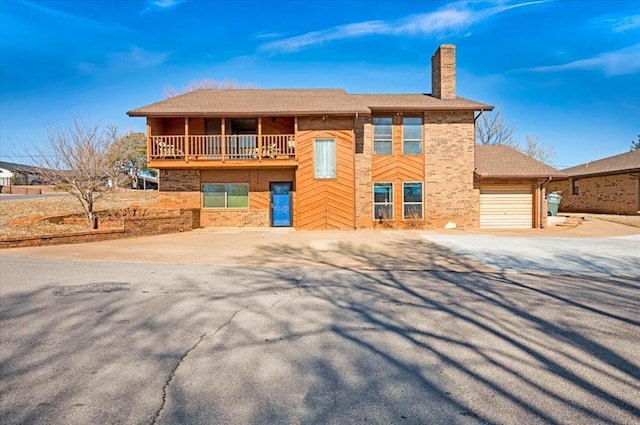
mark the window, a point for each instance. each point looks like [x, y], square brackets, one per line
[383, 201]
[412, 200]
[382, 136]
[325, 158]
[232, 195]
[412, 135]
[575, 187]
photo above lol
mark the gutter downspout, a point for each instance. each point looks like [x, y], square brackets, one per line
[541, 214]
[478, 116]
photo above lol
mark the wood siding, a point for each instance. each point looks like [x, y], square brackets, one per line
[325, 203]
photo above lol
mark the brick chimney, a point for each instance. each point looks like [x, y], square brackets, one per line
[443, 72]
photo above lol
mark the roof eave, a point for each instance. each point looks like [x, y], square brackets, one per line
[520, 176]
[244, 113]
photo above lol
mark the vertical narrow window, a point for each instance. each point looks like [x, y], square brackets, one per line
[412, 201]
[412, 135]
[325, 158]
[575, 187]
[383, 201]
[382, 135]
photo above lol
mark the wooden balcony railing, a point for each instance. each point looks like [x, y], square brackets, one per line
[230, 147]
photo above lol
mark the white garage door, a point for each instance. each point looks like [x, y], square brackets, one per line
[506, 207]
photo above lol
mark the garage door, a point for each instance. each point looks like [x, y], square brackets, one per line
[506, 207]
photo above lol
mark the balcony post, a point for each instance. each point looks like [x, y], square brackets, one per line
[186, 139]
[223, 144]
[295, 137]
[149, 152]
[259, 139]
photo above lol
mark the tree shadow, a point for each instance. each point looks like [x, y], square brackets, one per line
[346, 333]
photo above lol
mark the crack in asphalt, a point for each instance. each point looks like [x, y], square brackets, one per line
[298, 292]
[165, 389]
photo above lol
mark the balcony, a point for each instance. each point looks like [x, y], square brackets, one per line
[246, 150]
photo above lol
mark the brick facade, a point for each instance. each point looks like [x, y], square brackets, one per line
[363, 180]
[449, 165]
[609, 194]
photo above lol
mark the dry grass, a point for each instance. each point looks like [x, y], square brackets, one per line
[628, 220]
[22, 217]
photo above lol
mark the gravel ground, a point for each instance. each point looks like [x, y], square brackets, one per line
[22, 217]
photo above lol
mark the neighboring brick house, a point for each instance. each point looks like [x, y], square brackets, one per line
[609, 185]
[319, 159]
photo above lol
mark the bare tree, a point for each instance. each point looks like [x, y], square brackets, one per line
[635, 145]
[535, 149]
[491, 129]
[128, 154]
[76, 160]
[206, 83]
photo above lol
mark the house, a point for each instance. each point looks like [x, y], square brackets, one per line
[17, 174]
[512, 187]
[323, 159]
[609, 185]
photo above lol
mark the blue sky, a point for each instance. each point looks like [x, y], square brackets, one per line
[565, 71]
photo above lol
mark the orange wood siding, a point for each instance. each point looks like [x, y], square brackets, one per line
[325, 203]
[398, 168]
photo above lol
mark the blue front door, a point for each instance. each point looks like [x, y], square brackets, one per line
[281, 204]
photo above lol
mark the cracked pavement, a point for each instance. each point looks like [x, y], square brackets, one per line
[420, 338]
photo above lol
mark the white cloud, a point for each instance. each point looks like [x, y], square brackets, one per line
[70, 17]
[453, 17]
[135, 59]
[161, 5]
[619, 62]
[628, 23]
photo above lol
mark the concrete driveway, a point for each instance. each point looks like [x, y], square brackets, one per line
[309, 327]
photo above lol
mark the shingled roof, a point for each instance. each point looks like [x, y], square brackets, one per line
[622, 163]
[499, 161]
[273, 102]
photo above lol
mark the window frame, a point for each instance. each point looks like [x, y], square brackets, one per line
[390, 139]
[575, 187]
[315, 158]
[405, 139]
[421, 203]
[226, 196]
[390, 203]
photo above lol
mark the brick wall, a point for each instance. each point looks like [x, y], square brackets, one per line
[363, 185]
[150, 222]
[234, 218]
[179, 189]
[449, 165]
[614, 194]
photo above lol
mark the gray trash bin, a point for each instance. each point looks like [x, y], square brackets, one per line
[553, 203]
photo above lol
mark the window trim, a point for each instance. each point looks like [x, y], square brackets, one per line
[413, 203]
[413, 140]
[226, 197]
[575, 187]
[374, 203]
[373, 133]
[335, 158]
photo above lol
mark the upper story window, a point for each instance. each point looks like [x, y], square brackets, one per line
[412, 135]
[324, 158]
[382, 135]
[575, 187]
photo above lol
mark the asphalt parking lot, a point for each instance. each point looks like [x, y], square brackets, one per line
[324, 327]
